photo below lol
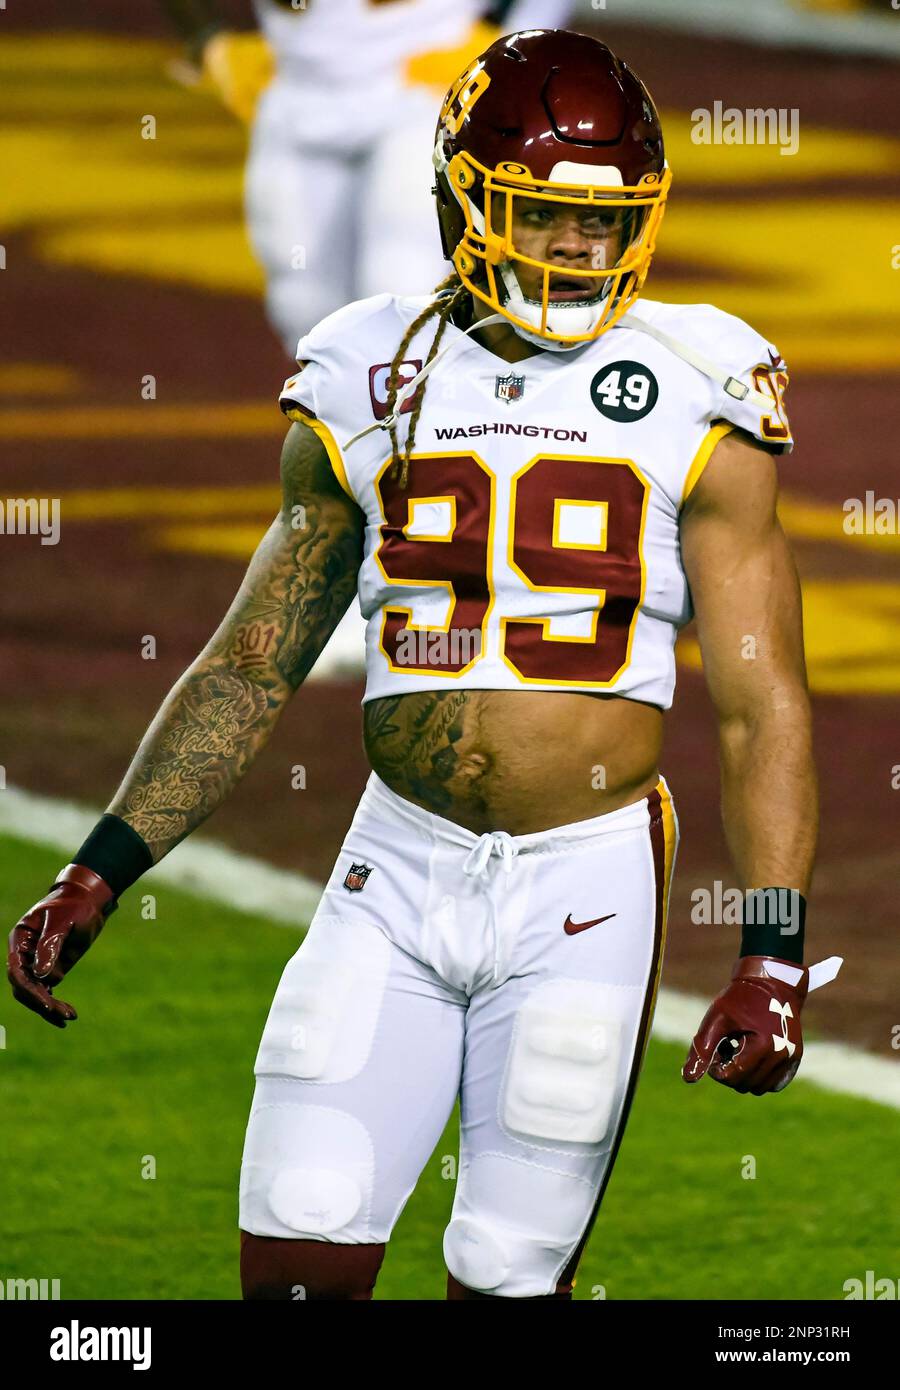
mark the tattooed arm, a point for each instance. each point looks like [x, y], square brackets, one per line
[221, 712]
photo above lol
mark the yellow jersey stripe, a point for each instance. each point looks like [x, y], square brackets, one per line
[331, 445]
[670, 833]
[702, 456]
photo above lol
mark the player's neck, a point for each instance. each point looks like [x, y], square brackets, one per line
[499, 338]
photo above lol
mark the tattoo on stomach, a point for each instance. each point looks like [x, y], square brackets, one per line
[421, 745]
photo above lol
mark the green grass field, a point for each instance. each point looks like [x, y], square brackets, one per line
[159, 1068]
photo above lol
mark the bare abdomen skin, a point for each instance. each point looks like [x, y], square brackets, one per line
[514, 760]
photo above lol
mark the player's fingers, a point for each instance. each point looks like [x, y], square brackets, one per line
[21, 952]
[55, 977]
[35, 996]
[48, 947]
[703, 1047]
[28, 990]
[775, 1077]
[724, 1067]
[759, 1081]
[74, 947]
[737, 1068]
[695, 1064]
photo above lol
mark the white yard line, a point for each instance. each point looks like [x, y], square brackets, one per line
[236, 880]
[198, 866]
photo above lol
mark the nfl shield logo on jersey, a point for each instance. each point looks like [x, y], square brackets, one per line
[510, 388]
[356, 877]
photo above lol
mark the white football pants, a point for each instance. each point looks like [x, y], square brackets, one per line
[518, 972]
[332, 221]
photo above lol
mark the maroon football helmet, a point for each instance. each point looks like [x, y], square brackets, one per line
[543, 121]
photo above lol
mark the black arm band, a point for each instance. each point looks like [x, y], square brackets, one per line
[774, 923]
[115, 852]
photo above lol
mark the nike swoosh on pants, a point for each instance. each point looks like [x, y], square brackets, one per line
[570, 927]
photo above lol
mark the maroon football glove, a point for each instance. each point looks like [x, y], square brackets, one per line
[53, 935]
[750, 1037]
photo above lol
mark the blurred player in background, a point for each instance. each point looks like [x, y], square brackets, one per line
[341, 96]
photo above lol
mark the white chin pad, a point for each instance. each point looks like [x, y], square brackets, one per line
[569, 318]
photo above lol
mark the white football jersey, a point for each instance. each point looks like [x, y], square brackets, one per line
[536, 544]
[350, 71]
[347, 42]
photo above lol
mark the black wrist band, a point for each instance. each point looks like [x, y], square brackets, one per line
[774, 921]
[115, 852]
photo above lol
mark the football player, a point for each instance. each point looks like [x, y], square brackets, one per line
[341, 96]
[534, 478]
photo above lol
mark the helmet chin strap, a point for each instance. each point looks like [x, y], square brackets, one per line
[576, 318]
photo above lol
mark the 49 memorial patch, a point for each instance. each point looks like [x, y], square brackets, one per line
[624, 391]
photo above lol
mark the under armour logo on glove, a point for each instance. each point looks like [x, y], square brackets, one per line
[735, 1043]
[781, 1041]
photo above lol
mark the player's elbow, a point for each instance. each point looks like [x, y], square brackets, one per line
[777, 714]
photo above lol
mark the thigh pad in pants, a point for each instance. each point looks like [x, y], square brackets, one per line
[308, 1164]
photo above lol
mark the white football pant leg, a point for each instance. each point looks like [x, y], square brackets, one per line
[399, 241]
[357, 1074]
[301, 210]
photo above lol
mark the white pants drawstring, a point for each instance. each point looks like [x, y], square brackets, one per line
[476, 860]
[475, 866]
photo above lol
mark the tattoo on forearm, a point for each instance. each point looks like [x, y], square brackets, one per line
[195, 750]
[252, 643]
[222, 711]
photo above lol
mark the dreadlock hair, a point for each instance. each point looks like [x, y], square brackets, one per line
[449, 293]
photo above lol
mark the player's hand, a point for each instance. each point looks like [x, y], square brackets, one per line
[750, 1038]
[440, 67]
[52, 936]
[239, 66]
